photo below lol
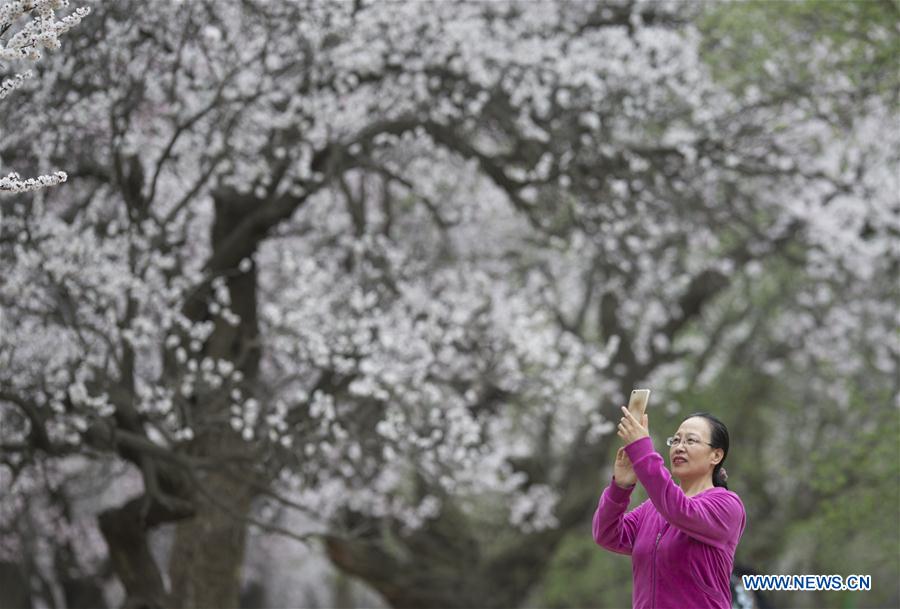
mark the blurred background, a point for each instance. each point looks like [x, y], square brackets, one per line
[339, 301]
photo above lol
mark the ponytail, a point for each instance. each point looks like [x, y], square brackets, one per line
[720, 475]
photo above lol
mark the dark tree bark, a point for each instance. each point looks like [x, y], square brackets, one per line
[206, 559]
[125, 530]
[205, 565]
[15, 590]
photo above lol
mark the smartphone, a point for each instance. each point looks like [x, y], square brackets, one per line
[637, 404]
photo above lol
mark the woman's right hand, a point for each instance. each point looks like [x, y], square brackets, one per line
[623, 471]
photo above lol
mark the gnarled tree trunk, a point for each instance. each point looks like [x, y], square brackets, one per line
[205, 564]
[208, 552]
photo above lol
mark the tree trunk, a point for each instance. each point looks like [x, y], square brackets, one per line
[15, 590]
[205, 564]
[125, 529]
[208, 551]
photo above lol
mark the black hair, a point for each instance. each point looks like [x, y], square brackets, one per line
[719, 439]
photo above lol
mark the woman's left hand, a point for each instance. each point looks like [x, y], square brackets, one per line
[629, 428]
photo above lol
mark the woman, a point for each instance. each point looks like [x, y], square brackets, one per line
[682, 540]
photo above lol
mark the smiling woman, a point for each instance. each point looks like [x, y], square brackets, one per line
[682, 540]
[689, 464]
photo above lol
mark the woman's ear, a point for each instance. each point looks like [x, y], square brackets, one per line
[718, 455]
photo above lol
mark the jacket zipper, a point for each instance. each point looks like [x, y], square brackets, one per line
[653, 575]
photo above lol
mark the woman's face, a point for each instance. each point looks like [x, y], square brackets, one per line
[692, 456]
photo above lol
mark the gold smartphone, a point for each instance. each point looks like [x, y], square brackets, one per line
[638, 402]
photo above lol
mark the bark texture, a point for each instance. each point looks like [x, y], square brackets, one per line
[206, 559]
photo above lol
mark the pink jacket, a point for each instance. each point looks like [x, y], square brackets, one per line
[682, 548]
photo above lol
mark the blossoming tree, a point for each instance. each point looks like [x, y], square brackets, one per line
[397, 269]
[30, 28]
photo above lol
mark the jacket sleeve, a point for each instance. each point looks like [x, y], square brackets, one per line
[612, 527]
[714, 518]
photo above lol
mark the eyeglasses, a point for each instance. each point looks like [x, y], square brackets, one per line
[688, 442]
